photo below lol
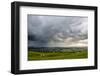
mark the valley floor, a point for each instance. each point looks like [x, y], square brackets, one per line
[57, 55]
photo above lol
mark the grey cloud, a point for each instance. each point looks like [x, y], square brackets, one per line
[56, 29]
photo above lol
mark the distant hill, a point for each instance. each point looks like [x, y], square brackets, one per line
[56, 49]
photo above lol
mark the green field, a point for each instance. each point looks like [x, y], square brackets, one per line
[57, 55]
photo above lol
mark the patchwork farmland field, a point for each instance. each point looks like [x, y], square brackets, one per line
[57, 53]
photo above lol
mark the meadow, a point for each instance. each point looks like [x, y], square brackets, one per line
[55, 55]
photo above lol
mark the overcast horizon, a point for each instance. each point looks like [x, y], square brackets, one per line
[57, 31]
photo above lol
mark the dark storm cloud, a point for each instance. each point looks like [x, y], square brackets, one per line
[44, 31]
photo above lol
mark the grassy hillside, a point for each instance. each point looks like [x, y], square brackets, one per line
[57, 55]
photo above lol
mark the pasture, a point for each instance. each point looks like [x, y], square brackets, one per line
[54, 55]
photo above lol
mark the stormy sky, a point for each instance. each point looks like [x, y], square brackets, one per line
[57, 31]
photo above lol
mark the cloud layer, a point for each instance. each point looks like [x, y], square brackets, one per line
[57, 31]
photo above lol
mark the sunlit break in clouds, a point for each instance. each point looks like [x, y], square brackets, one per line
[57, 31]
